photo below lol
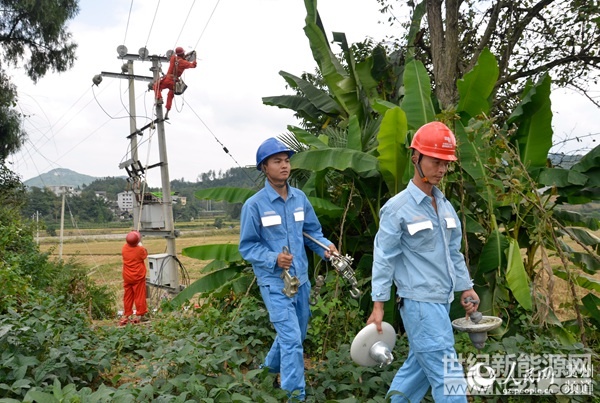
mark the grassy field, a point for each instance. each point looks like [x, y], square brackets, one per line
[103, 256]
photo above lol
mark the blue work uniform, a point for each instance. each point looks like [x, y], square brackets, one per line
[419, 250]
[268, 224]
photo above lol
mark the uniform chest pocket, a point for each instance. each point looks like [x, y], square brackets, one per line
[420, 236]
[272, 228]
[450, 228]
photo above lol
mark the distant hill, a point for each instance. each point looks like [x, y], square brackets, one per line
[60, 177]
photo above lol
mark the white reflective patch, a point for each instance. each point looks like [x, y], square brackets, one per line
[299, 216]
[450, 222]
[270, 220]
[419, 226]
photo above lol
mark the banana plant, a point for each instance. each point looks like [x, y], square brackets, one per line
[359, 157]
[505, 170]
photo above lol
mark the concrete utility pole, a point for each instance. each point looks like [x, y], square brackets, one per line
[132, 112]
[169, 265]
[62, 224]
[164, 176]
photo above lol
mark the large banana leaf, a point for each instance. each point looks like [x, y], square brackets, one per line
[228, 194]
[336, 158]
[590, 166]
[320, 99]
[223, 252]
[473, 155]
[576, 219]
[533, 118]
[477, 85]
[591, 304]
[417, 95]
[586, 262]
[589, 283]
[354, 141]
[382, 106]
[493, 254]
[561, 177]
[297, 103]
[364, 74]
[589, 161]
[393, 154]
[415, 26]
[360, 84]
[205, 284]
[584, 236]
[325, 207]
[307, 138]
[332, 71]
[516, 276]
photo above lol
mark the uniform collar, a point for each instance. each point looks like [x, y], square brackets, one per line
[272, 193]
[419, 195]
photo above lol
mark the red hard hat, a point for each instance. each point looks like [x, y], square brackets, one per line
[179, 50]
[435, 140]
[133, 238]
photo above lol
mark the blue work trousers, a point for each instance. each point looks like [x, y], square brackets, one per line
[290, 318]
[432, 360]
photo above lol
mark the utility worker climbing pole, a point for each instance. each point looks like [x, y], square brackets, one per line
[177, 65]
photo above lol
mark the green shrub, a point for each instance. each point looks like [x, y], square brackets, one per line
[48, 339]
[72, 281]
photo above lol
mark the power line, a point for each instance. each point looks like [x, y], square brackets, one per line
[152, 25]
[206, 25]
[184, 23]
[220, 143]
[128, 18]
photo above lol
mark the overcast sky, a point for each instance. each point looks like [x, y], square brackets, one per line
[241, 47]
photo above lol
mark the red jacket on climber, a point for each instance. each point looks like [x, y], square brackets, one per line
[177, 65]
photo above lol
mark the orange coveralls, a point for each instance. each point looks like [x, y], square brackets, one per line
[134, 279]
[177, 65]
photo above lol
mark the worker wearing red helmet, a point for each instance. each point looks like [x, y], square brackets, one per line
[177, 65]
[134, 278]
[417, 248]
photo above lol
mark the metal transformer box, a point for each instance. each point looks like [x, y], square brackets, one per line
[162, 270]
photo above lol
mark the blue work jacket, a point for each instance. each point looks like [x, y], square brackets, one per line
[268, 223]
[418, 249]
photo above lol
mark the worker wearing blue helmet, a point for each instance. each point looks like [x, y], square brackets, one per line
[271, 239]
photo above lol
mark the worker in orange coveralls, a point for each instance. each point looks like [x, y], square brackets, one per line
[134, 279]
[177, 65]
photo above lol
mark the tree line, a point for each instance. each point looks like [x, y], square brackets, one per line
[86, 206]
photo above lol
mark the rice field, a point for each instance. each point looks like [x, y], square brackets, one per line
[100, 251]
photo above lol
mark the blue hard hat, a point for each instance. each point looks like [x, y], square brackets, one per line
[270, 146]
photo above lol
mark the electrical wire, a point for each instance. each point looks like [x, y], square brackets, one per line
[51, 128]
[184, 23]
[152, 25]
[206, 25]
[92, 270]
[221, 144]
[129, 116]
[184, 273]
[128, 18]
